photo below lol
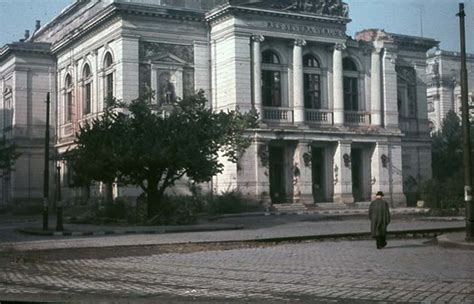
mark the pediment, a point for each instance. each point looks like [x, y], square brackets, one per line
[168, 59]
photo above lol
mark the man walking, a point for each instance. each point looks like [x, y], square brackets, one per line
[379, 215]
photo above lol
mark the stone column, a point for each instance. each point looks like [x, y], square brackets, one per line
[380, 169]
[338, 85]
[376, 92]
[257, 72]
[390, 89]
[298, 86]
[343, 173]
[302, 174]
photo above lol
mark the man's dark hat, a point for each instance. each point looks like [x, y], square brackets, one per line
[380, 193]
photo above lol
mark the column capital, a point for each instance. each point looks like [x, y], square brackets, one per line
[300, 42]
[258, 38]
[340, 46]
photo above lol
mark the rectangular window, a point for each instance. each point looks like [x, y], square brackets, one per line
[351, 94]
[87, 98]
[312, 91]
[271, 88]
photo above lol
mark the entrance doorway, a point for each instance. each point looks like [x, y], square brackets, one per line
[277, 175]
[319, 182]
[357, 175]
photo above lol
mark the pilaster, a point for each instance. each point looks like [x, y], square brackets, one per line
[376, 92]
[390, 94]
[397, 197]
[302, 186]
[380, 169]
[343, 173]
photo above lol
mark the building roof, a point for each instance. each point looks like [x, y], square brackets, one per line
[25, 47]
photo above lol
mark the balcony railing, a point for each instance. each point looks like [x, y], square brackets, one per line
[281, 115]
[322, 117]
[356, 118]
[66, 130]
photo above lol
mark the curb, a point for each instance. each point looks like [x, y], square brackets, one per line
[398, 234]
[39, 232]
[318, 212]
[445, 241]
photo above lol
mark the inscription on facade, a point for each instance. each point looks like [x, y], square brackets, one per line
[305, 29]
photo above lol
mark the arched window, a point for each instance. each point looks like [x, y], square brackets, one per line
[87, 93]
[271, 79]
[310, 61]
[312, 82]
[109, 79]
[351, 85]
[108, 61]
[68, 98]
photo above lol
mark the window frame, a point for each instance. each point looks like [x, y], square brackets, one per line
[87, 80]
[109, 78]
[351, 85]
[270, 72]
[68, 98]
[310, 71]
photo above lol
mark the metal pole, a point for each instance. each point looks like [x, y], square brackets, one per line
[46, 167]
[59, 204]
[466, 131]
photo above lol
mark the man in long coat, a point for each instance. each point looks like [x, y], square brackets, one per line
[379, 215]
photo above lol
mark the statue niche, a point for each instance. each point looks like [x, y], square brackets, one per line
[166, 88]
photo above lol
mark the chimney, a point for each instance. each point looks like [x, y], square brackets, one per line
[27, 34]
[37, 25]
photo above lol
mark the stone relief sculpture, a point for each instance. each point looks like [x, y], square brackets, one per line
[321, 7]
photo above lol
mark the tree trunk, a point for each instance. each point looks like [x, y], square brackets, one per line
[109, 198]
[153, 198]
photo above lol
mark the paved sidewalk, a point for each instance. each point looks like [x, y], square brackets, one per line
[273, 228]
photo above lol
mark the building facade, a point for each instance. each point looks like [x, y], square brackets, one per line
[341, 118]
[444, 85]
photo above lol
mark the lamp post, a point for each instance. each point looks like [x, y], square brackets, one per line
[59, 203]
[466, 132]
[46, 167]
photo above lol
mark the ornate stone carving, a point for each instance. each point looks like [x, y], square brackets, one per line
[300, 42]
[340, 46]
[321, 7]
[154, 50]
[258, 38]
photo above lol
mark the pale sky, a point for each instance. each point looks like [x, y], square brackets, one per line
[435, 18]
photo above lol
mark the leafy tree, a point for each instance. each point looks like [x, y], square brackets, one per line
[445, 190]
[447, 148]
[152, 146]
[8, 155]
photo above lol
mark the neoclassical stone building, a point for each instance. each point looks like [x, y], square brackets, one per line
[444, 85]
[341, 117]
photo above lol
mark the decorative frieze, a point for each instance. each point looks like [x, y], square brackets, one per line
[154, 50]
[306, 29]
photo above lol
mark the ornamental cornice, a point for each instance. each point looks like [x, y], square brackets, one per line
[216, 15]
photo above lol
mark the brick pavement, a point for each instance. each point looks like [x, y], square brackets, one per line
[406, 271]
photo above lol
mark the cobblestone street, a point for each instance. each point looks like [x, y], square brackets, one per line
[344, 271]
